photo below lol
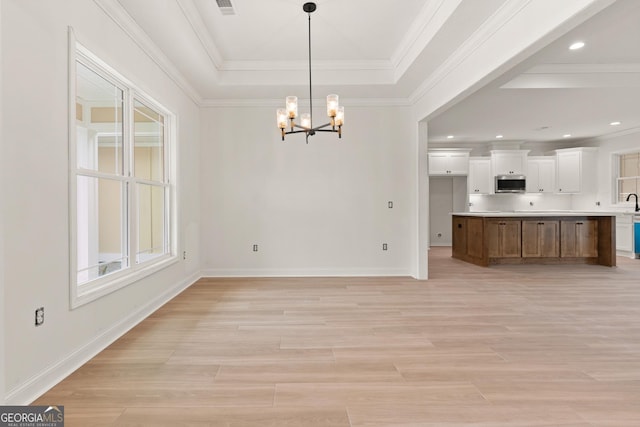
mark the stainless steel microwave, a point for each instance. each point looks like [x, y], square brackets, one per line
[511, 184]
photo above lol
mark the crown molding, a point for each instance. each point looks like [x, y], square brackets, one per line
[277, 103]
[556, 76]
[617, 134]
[583, 68]
[374, 65]
[199, 28]
[114, 10]
[433, 15]
[492, 25]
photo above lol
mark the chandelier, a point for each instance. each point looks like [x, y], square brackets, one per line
[286, 117]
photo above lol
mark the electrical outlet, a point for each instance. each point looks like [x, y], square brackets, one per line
[390, 205]
[184, 255]
[384, 246]
[255, 248]
[39, 316]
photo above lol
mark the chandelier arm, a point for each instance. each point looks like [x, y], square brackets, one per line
[322, 126]
[306, 129]
[297, 131]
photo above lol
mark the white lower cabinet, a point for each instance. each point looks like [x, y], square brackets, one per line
[624, 234]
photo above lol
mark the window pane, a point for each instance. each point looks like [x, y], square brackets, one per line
[630, 165]
[100, 227]
[149, 143]
[99, 129]
[627, 186]
[151, 222]
[629, 175]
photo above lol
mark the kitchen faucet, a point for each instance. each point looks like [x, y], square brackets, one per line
[636, 196]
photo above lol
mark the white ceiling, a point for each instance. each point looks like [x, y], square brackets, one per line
[557, 91]
[361, 49]
[382, 51]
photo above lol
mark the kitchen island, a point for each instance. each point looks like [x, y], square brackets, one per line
[486, 238]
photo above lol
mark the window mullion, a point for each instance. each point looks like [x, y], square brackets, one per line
[131, 219]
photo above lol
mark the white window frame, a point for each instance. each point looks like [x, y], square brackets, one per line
[615, 167]
[83, 293]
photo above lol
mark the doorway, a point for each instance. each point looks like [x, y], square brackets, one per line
[446, 194]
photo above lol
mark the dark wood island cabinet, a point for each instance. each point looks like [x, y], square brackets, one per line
[534, 238]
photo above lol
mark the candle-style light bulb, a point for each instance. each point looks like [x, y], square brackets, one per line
[281, 118]
[305, 120]
[339, 120]
[292, 106]
[332, 105]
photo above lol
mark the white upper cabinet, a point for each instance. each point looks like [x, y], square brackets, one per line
[541, 174]
[509, 162]
[576, 170]
[449, 162]
[480, 180]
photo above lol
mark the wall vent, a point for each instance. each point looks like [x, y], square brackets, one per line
[225, 6]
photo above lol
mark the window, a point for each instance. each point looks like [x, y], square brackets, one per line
[628, 176]
[121, 193]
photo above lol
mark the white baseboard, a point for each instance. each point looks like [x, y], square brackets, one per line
[37, 385]
[305, 272]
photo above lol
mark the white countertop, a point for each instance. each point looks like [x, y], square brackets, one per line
[513, 214]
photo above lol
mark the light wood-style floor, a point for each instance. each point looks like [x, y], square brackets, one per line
[501, 346]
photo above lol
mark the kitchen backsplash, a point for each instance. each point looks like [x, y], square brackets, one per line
[520, 202]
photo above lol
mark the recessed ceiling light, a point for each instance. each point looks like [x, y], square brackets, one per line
[449, 136]
[576, 46]
[566, 135]
[499, 136]
[615, 123]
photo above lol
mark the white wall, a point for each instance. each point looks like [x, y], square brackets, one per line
[421, 234]
[314, 209]
[3, 345]
[35, 203]
[605, 191]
